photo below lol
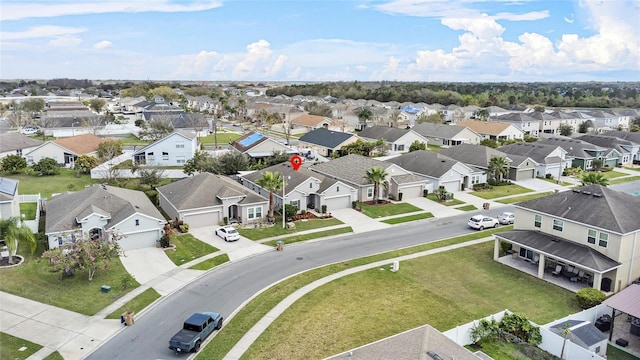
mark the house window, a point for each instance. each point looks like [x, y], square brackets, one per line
[401, 147]
[369, 193]
[310, 185]
[19, 152]
[250, 213]
[180, 160]
[558, 225]
[150, 156]
[537, 221]
[295, 203]
[526, 253]
[603, 239]
[137, 222]
[591, 237]
[475, 179]
[259, 212]
[337, 188]
[29, 159]
[165, 156]
[180, 145]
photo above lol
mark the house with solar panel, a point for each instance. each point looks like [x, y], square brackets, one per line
[256, 146]
[174, 149]
[9, 203]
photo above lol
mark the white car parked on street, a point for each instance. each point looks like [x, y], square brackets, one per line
[506, 218]
[481, 222]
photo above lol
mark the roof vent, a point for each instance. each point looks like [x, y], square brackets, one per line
[597, 194]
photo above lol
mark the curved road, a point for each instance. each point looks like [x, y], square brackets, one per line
[226, 288]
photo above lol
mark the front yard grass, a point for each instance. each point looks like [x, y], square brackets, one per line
[11, 345]
[516, 199]
[310, 236]
[555, 181]
[611, 174]
[500, 191]
[137, 303]
[632, 168]
[29, 210]
[277, 230]
[624, 180]
[452, 202]
[443, 290]
[188, 248]
[382, 210]
[211, 263]
[408, 218]
[223, 138]
[470, 207]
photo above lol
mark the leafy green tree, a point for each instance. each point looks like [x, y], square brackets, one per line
[583, 127]
[441, 193]
[364, 148]
[592, 178]
[14, 232]
[47, 166]
[156, 130]
[13, 163]
[499, 167]
[232, 163]
[165, 92]
[313, 108]
[151, 177]
[33, 106]
[481, 114]
[97, 104]
[489, 143]
[596, 164]
[85, 163]
[565, 129]
[378, 177]
[272, 182]
[109, 149]
[417, 145]
[201, 162]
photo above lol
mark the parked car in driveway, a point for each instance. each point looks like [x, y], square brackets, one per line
[228, 233]
[506, 218]
[481, 222]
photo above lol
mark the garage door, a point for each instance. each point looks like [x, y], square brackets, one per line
[202, 219]
[525, 174]
[140, 240]
[410, 192]
[451, 186]
[340, 202]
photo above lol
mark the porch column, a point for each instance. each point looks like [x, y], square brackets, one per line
[597, 279]
[496, 249]
[541, 266]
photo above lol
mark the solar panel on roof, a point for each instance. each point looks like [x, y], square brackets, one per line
[251, 139]
[8, 186]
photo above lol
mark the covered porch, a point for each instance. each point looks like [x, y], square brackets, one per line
[625, 324]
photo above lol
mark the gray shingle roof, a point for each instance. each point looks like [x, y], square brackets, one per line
[327, 138]
[119, 203]
[612, 210]
[514, 117]
[608, 141]
[560, 249]
[536, 151]
[438, 130]
[576, 148]
[626, 135]
[477, 155]
[285, 169]
[16, 141]
[351, 168]
[424, 162]
[203, 190]
[382, 132]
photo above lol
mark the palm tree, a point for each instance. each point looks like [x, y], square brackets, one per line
[377, 176]
[364, 114]
[499, 167]
[14, 235]
[592, 178]
[482, 114]
[273, 182]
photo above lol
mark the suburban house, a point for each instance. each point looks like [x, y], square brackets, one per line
[583, 333]
[14, 143]
[587, 234]
[493, 130]
[174, 149]
[550, 159]
[325, 142]
[352, 169]
[209, 200]
[440, 170]
[634, 137]
[69, 114]
[256, 146]
[9, 202]
[66, 150]
[396, 140]
[447, 135]
[103, 211]
[526, 123]
[179, 120]
[549, 124]
[310, 122]
[628, 150]
[604, 120]
[305, 189]
[583, 153]
[478, 156]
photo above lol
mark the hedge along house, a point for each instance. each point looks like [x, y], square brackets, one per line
[100, 211]
[207, 199]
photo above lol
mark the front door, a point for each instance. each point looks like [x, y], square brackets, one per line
[233, 212]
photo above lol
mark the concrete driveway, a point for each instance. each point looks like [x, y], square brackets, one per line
[234, 249]
[357, 220]
[538, 185]
[146, 264]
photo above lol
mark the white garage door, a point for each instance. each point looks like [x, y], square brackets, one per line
[140, 240]
[340, 202]
[410, 192]
[203, 219]
[451, 186]
[525, 174]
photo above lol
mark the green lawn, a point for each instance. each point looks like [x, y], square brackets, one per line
[277, 230]
[632, 168]
[9, 346]
[35, 280]
[443, 290]
[613, 353]
[187, 248]
[223, 138]
[612, 174]
[408, 218]
[132, 140]
[467, 208]
[137, 303]
[516, 199]
[309, 236]
[500, 191]
[54, 356]
[382, 210]
[29, 210]
[452, 202]
[211, 263]
[624, 180]
[555, 181]
[47, 185]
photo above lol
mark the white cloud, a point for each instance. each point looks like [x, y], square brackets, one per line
[198, 65]
[361, 68]
[483, 27]
[45, 31]
[19, 9]
[569, 20]
[274, 69]
[257, 53]
[65, 41]
[104, 44]
[452, 9]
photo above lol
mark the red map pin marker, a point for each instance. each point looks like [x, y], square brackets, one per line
[296, 161]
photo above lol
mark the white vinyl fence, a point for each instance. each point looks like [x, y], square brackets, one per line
[33, 198]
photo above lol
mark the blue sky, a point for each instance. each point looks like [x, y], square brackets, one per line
[321, 40]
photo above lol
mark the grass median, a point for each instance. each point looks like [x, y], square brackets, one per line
[137, 303]
[11, 346]
[408, 218]
[187, 248]
[310, 236]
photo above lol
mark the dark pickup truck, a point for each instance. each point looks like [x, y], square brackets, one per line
[194, 331]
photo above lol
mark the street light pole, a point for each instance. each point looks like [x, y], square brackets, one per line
[283, 203]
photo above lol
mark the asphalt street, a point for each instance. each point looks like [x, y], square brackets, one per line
[228, 287]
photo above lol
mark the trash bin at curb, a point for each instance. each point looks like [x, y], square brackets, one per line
[280, 245]
[485, 206]
[127, 318]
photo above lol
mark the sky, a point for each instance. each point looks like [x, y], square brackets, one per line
[321, 40]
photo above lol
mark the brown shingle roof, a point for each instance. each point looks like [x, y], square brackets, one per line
[484, 127]
[308, 120]
[81, 144]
